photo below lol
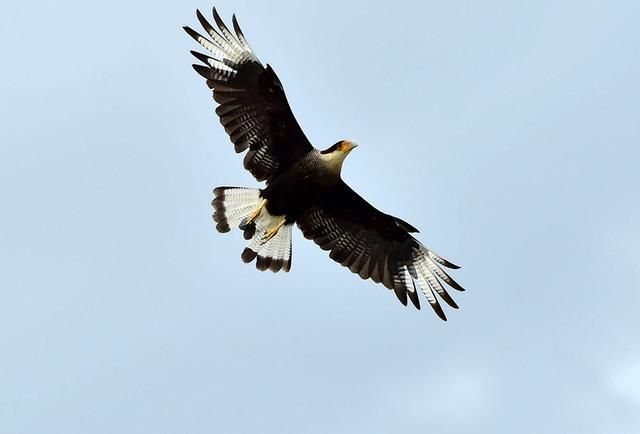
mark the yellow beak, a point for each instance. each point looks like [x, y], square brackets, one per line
[347, 146]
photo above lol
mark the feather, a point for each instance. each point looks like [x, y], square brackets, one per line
[376, 246]
[242, 85]
[241, 38]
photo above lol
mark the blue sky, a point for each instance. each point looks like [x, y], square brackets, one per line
[507, 132]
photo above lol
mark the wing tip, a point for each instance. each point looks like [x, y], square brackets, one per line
[438, 310]
[455, 285]
[204, 71]
[190, 32]
[415, 300]
[216, 16]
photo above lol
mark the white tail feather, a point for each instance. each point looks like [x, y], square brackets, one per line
[233, 206]
[274, 254]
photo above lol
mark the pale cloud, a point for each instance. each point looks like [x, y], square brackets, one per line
[456, 389]
[624, 381]
[463, 396]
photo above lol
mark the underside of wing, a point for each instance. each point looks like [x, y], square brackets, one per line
[378, 246]
[252, 105]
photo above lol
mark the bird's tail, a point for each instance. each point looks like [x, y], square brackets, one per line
[243, 208]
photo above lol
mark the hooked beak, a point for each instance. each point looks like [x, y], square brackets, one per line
[348, 146]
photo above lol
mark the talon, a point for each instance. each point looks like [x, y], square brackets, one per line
[256, 213]
[272, 232]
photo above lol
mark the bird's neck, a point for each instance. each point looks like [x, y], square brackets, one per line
[332, 163]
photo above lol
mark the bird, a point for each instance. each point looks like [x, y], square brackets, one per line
[303, 185]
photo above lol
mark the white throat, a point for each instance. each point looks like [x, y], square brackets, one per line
[333, 161]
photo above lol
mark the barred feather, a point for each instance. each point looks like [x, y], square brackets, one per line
[252, 105]
[379, 247]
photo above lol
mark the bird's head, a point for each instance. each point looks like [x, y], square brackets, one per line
[334, 156]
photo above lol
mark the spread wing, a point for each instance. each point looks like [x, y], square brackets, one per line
[252, 105]
[377, 246]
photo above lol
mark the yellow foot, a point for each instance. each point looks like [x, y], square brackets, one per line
[256, 213]
[272, 232]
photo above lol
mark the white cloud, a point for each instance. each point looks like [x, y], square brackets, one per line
[624, 381]
[446, 395]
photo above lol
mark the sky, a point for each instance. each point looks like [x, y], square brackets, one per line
[507, 132]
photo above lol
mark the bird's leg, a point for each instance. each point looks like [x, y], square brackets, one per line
[272, 231]
[256, 213]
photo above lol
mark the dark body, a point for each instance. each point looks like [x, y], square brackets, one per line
[298, 188]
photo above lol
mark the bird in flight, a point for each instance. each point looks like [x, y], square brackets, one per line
[303, 184]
